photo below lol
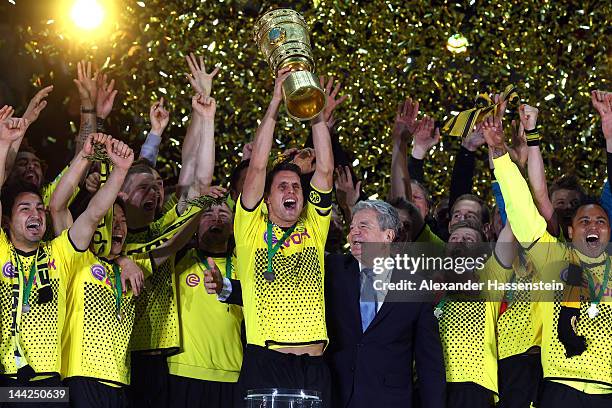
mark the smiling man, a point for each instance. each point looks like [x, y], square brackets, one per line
[373, 344]
[280, 263]
[36, 273]
[576, 346]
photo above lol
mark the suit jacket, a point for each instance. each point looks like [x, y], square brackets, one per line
[375, 368]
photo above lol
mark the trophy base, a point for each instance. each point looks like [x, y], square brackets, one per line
[304, 97]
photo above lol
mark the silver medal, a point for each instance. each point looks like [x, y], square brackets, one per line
[25, 308]
[119, 316]
[593, 311]
[438, 312]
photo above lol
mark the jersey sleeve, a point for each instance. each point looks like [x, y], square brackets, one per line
[246, 222]
[144, 262]
[4, 241]
[65, 253]
[48, 190]
[318, 212]
[527, 223]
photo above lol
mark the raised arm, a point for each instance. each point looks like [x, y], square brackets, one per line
[535, 165]
[11, 130]
[323, 177]
[527, 223]
[201, 81]
[404, 126]
[602, 102]
[205, 156]
[60, 199]
[105, 99]
[88, 90]
[159, 117]
[189, 150]
[36, 105]
[462, 178]
[84, 226]
[255, 180]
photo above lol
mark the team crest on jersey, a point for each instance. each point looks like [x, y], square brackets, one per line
[98, 272]
[8, 271]
[192, 280]
[315, 197]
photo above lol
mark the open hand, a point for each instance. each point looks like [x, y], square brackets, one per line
[200, 80]
[425, 136]
[347, 192]
[37, 104]
[331, 96]
[86, 84]
[406, 118]
[105, 97]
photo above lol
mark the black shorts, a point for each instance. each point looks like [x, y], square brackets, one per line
[149, 381]
[192, 393]
[48, 382]
[264, 368]
[519, 379]
[555, 395]
[468, 395]
[91, 393]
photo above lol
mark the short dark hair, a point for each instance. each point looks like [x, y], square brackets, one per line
[471, 224]
[589, 200]
[10, 192]
[283, 166]
[400, 203]
[121, 203]
[484, 213]
[236, 172]
[568, 182]
[140, 166]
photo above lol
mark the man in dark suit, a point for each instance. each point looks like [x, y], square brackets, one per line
[374, 344]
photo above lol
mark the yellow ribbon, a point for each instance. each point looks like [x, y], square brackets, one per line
[462, 124]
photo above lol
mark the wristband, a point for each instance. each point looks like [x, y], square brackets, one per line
[533, 137]
[84, 110]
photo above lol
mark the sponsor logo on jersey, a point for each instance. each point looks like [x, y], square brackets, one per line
[8, 271]
[192, 280]
[98, 272]
[294, 239]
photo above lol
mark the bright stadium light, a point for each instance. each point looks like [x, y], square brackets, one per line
[87, 14]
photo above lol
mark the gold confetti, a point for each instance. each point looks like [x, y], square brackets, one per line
[382, 51]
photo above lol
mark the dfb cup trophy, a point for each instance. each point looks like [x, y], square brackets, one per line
[282, 35]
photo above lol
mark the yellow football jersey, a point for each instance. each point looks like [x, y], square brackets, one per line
[95, 340]
[290, 309]
[211, 348]
[41, 327]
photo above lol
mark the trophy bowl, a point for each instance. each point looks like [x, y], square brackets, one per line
[282, 35]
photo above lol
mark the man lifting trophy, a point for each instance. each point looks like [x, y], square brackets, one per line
[282, 36]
